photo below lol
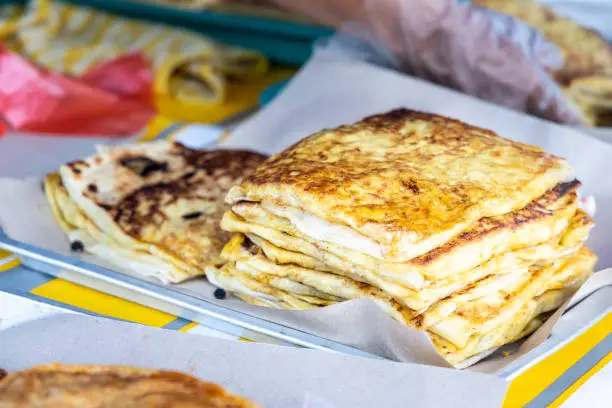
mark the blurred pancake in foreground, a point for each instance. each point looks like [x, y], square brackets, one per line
[154, 208]
[97, 386]
[448, 227]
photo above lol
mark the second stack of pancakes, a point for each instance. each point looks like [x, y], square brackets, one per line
[448, 227]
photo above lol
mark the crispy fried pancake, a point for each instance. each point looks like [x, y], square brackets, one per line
[538, 222]
[493, 321]
[254, 252]
[251, 260]
[260, 293]
[231, 279]
[248, 258]
[105, 387]
[158, 199]
[487, 304]
[400, 184]
[512, 329]
[585, 51]
[163, 265]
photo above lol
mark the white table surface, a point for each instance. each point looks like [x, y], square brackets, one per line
[595, 393]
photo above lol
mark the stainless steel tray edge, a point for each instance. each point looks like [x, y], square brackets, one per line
[167, 300]
[161, 297]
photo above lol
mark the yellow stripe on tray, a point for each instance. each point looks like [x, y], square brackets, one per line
[532, 382]
[188, 327]
[101, 303]
[574, 387]
[8, 261]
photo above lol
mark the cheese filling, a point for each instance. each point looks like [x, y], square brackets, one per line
[322, 230]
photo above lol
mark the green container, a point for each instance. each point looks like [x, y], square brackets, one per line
[280, 41]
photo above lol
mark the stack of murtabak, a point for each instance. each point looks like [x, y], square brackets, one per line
[449, 227]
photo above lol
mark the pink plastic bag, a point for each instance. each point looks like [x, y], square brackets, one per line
[113, 99]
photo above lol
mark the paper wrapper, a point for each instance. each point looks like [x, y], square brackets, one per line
[353, 90]
[112, 99]
[273, 376]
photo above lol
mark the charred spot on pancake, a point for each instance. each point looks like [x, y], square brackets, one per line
[192, 216]
[255, 250]
[77, 246]
[92, 188]
[189, 175]
[143, 166]
[106, 207]
[247, 243]
[411, 185]
[245, 202]
[220, 294]
[232, 163]
[418, 321]
[76, 166]
[145, 206]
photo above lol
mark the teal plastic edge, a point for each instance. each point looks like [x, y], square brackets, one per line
[280, 41]
[271, 92]
[180, 16]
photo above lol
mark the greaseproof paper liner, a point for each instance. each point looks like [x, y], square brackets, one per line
[272, 376]
[352, 91]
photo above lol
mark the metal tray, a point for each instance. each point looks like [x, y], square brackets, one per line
[580, 317]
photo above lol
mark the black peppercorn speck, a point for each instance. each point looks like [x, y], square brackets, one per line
[77, 246]
[220, 294]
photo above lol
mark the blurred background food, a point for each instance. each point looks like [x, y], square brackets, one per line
[586, 74]
[73, 39]
[258, 8]
[207, 60]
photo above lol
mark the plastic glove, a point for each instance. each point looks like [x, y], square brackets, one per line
[477, 51]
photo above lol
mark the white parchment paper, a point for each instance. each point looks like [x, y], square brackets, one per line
[273, 376]
[327, 93]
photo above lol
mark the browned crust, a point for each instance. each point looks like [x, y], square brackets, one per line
[534, 211]
[111, 386]
[452, 133]
[217, 170]
[378, 175]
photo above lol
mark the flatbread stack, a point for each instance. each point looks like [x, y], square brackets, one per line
[152, 208]
[448, 227]
[586, 75]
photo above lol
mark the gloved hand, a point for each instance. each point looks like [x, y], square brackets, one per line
[474, 50]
